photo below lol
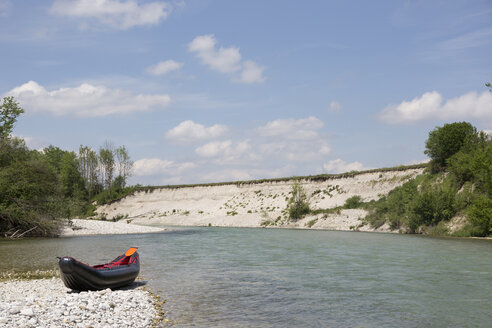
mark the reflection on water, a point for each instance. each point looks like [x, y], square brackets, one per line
[226, 277]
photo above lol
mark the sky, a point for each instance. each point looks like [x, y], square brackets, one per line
[217, 90]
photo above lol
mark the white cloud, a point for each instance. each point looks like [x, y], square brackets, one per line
[305, 151]
[32, 142]
[430, 106]
[294, 140]
[226, 175]
[117, 14]
[324, 149]
[189, 131]
[226, 150]
[335, 107]
[340, 166]
[213, 149]
[295, 151]
[301, 129]
[85, 100]
[156, 166]
[273, 148]
[164, 67]
[252, 73]
[225, 60]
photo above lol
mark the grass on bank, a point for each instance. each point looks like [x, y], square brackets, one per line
[109, 197]
[318, 177]
[29, 275]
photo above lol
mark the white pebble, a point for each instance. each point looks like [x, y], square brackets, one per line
[48, 303]
[27, 312]
[14, 310]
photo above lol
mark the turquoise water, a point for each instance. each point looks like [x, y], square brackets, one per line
[227, 277]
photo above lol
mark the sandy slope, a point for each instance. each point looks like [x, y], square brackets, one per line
[250, 205]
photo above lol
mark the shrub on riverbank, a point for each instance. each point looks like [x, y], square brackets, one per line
[480, 217]
[462, 185]
[298, 205]
[31, 199]
[353, 202]
[39, 189]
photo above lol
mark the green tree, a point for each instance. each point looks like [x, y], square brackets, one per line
[106, 159]
[30, 198]
[473, 163]
[354, 202]
[434, 204]
[396, 207]
[53, 156]
[9, 111]
[445, 141]
[64, 164]
[71, 179]
[88, 164]
[124, 165]
[298, 205]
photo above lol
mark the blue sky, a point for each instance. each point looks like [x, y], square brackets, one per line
[208, 91]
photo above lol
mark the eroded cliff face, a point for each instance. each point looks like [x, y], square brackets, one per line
[257, 204]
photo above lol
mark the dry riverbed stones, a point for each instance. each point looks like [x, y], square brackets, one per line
[48, 303]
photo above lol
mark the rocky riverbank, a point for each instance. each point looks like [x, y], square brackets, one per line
[48, 303]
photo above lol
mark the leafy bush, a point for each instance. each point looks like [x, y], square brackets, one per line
[423, 201]
[119, 217]
[298, 205]
[113, 194]
[438, 230]
[480, 217]
[432, 206]
[445, 141]
[395, 207]
[311, 223]
[474, 164]
[353, 202]
[30, 197]
[464, 197]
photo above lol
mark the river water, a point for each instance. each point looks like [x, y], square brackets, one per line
[239, 277]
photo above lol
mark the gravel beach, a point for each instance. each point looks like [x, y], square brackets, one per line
[48, 303]
[80, 227]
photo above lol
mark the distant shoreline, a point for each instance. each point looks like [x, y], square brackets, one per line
[260, 204]
[84, 227]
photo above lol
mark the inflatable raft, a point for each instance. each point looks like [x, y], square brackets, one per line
[120, 272]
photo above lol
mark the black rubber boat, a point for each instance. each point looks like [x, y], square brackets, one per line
[120, 272]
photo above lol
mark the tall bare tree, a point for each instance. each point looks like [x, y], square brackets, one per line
[88, 163]
[124, 163]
